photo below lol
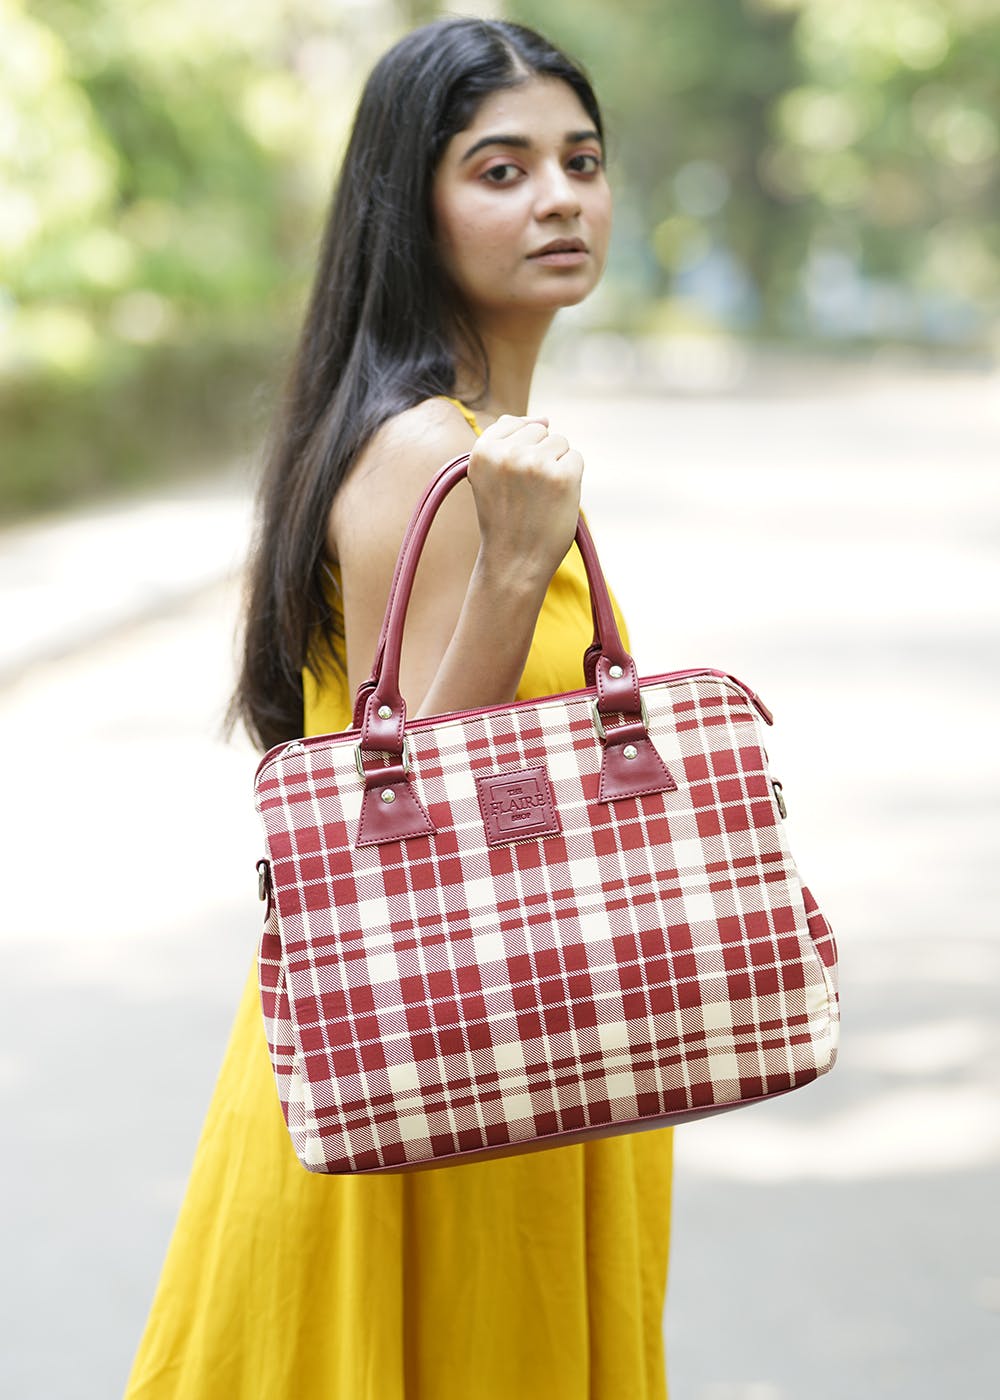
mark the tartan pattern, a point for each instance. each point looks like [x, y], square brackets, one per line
[657, 959]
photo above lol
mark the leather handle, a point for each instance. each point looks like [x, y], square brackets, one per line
[608, 664]
[366, 687]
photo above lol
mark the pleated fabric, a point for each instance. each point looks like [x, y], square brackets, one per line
[535, 1276]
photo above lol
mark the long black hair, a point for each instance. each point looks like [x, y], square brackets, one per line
[380, 335]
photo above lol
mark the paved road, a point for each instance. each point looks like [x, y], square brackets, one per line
[834, 543]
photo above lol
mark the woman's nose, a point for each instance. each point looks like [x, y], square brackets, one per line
[557, 196]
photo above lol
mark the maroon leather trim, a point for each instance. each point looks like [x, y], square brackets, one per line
[590, 663]
[277, 751]
[755, 699]
[366, 687]
[617, 695]
[399, 820]
[517, 805]
[632, 777]
[607, 638]
[384, 682]
[628, 733]
[384, 735]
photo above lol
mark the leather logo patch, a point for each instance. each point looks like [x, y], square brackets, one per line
[517, 806]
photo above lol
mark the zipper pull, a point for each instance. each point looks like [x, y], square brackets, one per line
[263, 880]
[778, 797]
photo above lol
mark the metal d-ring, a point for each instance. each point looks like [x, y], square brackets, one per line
[359, 763]
[598, 722]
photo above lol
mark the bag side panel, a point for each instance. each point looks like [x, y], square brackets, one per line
[279, 1031]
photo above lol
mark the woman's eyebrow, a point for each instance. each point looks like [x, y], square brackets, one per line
[572, 138]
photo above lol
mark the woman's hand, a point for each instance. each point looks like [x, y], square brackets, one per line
[526, 485]
[487, 562]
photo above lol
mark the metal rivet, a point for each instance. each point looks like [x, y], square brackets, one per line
[384, 712]
[388, 795]
[615, 672]
[630, 751]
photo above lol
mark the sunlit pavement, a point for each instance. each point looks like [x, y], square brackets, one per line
[833, 541]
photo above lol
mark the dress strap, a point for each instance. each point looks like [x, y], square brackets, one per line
[466, 413]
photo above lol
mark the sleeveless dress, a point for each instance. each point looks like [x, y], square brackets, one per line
[535, 1276]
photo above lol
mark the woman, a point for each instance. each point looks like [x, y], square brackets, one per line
[472, 205]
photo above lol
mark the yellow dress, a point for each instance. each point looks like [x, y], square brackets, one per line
[535, 1276]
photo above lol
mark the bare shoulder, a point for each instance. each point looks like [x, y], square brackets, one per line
[428, 426]
[369, 519]
[374, 504]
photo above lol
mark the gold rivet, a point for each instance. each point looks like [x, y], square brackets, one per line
[388, 795]
[630, 751]
[615, 672]
[384, 712]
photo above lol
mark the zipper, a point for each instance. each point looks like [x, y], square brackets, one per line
[429, 721]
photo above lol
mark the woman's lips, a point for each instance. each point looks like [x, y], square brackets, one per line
[561, 252]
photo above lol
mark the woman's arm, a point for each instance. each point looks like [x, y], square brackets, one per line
[490, 554]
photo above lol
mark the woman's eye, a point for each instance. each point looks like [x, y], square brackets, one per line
[504, 174]
[585, 163]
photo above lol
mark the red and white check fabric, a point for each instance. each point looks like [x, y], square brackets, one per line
[656, 959]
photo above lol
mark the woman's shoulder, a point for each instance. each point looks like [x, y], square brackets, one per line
[393, 470]
[411, 446]
[429, 422]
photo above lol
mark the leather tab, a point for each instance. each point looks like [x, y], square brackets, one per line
[384, 735]
[617, 694]
[632, 777]
[399, 819]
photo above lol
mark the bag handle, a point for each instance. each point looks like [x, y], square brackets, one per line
[380, 710]
[366, 687]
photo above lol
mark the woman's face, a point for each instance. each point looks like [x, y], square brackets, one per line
[522, 209]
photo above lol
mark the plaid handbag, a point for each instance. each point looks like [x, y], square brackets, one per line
[534, 923]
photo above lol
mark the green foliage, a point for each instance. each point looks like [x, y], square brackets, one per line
[840, 158]
[162, 173]
[171, 412]
[802, 168]
[130, 167]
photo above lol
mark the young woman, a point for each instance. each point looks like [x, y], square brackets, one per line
[472, 205]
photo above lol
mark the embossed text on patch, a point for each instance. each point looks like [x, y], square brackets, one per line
[517, 806]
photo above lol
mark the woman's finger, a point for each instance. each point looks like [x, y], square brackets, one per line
[555, 446]
[508, 424]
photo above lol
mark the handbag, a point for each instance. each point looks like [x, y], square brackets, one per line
[534, 923]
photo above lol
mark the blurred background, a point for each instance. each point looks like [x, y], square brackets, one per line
[786, 390]
[789, 172]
